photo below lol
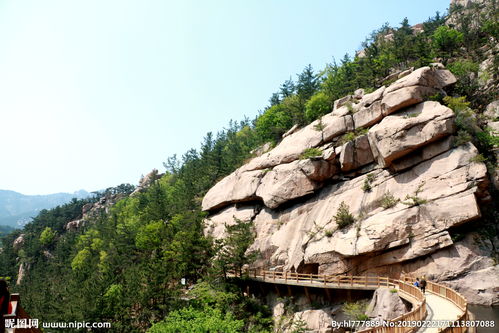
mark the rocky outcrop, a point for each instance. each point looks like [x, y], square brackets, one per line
[386, 305]
[23, 268]
[316, 321]
[479, 287]
[293, 180]
[18, 242]
[146, 181]
[356, 153]
[405, 184]
[92, 211]
[402, 133]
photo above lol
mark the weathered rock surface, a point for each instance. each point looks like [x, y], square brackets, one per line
[356, 153]
[368, 116]
[402, 133]
[405, 184]
[236, 187]
[215, 224]
[317, 321]
[18, 242]
[424, 76]
[284, 182]
[385, 305]
[404, 97]
[146, 181]
[415, 88]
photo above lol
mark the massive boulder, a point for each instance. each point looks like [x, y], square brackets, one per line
[415, 88]
[402, 133]
[293, 180]
[386, 305]
[405, 184]
[239, 186]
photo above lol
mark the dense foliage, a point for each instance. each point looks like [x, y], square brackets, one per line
[126, 266]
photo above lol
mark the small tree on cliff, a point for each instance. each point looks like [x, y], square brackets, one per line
[232, 250]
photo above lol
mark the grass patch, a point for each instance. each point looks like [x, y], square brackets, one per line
[310, 152]
[478, 159]
[412, 115]
[350, 136]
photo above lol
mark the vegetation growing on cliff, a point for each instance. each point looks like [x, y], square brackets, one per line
[126, 266]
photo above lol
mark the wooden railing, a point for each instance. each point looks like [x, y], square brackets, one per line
[457, 299]
[417, 313]
[453, 296]
[406, 289]
[323, 279]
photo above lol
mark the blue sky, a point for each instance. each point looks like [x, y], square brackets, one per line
[96, 93]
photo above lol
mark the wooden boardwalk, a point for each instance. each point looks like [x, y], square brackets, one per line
[442, 303]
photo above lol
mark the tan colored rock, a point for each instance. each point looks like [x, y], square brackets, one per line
[293, 180]
[74, 225]
[347, 156]
[317, 321]
[405, 73]
[423, 154]
[385, 305]
[342, 101]
[358, 94]
[292, 146]
[436, 188]
[317, 169]
[297, 234]
[342, 111]
[336, 126]
[355, 153]
[237, 187]
[466, 266]
[368, 116]
[18, 242]
[23, 269]
[479, 287]
[424, 76]
[370, 98]
[405, 97]
[215, 224]
[492, 111]
[415, 88]
[291, 130]
[261, 150]
[397, 135]
[329, 154]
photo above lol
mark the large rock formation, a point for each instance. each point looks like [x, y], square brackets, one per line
[386, 305]
[405, 184]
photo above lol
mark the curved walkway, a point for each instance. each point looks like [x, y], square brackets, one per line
[439, 309]
[438, 305]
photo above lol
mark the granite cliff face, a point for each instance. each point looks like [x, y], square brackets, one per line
[389, 157]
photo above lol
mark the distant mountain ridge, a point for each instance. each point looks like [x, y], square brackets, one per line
[17, 209]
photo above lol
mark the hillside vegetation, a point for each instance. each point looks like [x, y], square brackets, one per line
[126, 264]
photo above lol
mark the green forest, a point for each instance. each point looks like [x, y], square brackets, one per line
[126, 265]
